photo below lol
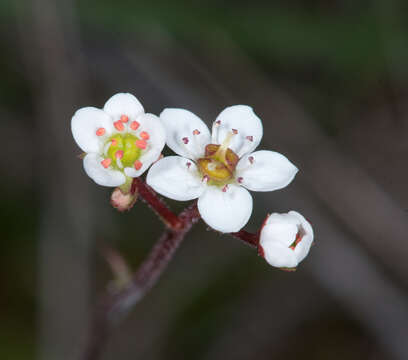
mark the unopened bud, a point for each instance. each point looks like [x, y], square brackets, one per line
[123, 201]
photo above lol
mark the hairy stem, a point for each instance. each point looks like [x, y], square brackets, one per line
[158, 205]
[247, 237]
[115, 306]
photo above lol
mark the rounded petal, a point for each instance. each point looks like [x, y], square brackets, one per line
[303, 247]
[265, 171]
[227, 211]
[150, 124]
[176, 178]
[85, 123]
[102, 176]
[278, 229]
[123, 104]
[186, 134]
[278, 255]
[243, 119]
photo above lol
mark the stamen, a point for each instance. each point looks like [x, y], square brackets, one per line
[251, 159]
[141, 144]
[185, 140]
[119, 125]
[250, 138]
[188, 164]
[225, 188]
[138, 164]
[196, 132]
[119, 154]
[222, 150]
[205, 179]
[134, 125]
[106, 162]
[218, 122]
[124, 118]
[145, 135]
[100, 132]
[234, 131]
[114, 142]
[240, 179]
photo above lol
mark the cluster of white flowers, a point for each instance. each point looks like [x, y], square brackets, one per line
[121, 142]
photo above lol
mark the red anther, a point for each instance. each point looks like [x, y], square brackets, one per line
[138, 164]
[106, 162]
[134, 125]
[185, 140]
[114, 142]
[100, 131]
[234, 131]
[124, 118]
[119, 125]
[218, 122]
[225, 188]
[196, 132]
[251, 159]
[188, 164]
[240, 179]
[145, 135]
[141, 144]
[119, 154]
[205, 178]
[250, 138]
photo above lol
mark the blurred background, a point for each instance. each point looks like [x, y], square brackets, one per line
[330, 81]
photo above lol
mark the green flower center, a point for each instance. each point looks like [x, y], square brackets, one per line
[124, 150]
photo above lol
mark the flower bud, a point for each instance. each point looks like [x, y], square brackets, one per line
[285, 239]
[123, 200]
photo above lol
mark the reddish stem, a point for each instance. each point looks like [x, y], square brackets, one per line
[157, 204]
[247, 237]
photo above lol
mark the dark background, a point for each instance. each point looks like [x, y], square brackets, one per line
[329, 80]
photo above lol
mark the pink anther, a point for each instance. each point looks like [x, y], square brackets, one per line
[185, 140]
[141, 144]
[234, 131]
[119, 154]
[106, 162]
[225, 188]
[251, 159]
[250, 138]
[134, 125]
[137, 164]
[145, 135]
[196, 132]
[119, 125]
[124, 118]
[100, 131]
[188, 164]
[114, 142]
[218, 122]
[240, 179]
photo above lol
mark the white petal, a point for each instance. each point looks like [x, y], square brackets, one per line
[225, 211]
[123, 104]
[102, 176]
[175, 179]
[152, 125]
[180, 125]
[278, 255]
[85, 123]
[243, 119]
[303, 247]
[278, 230]
[267, 171]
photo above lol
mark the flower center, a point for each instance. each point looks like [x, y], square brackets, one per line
[219, 163]
[123, 150]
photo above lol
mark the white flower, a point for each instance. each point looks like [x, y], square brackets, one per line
[218, 168]
[120, 141]
[285, 239]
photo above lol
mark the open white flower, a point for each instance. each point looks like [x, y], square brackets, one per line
[121, 141]
[285, 239]
[218, 168]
